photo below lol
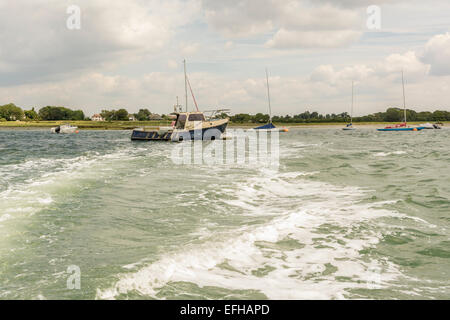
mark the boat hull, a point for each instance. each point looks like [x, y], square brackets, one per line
[62, 130]
[402, 129]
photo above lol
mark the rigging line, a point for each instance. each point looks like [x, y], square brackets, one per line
[192, 92]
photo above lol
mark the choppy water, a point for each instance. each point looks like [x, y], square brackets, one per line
[348, 215]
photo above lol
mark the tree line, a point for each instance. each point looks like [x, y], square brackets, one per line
[11, 112]
[390, 115]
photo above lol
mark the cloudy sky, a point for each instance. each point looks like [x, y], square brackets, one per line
[129, 54]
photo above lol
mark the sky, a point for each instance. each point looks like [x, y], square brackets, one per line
[129, 54]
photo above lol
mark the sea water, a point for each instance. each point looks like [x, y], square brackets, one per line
[345, 215]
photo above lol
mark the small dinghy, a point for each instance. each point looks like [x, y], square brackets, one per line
[65, 128]
[430, 126]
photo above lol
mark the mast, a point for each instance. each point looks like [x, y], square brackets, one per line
[268, 96]
[404, 98]
[185, 84]
[351, 114]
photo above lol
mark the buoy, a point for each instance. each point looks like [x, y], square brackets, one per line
[415, 129]
[77, 131]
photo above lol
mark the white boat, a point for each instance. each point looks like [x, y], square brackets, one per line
[65, 128]
[430, 126]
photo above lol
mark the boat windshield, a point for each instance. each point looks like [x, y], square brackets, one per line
[181, 121]
[196, 117]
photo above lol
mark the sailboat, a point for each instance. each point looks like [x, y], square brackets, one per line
[270, 126]
[350, 125]
[402, 126]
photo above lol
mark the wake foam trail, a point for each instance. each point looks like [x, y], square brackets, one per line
[309, 248]
[34, 184]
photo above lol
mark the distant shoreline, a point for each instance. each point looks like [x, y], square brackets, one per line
[130, 125]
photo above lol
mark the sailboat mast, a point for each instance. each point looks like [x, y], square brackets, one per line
[268, 96]
[351, 115]
[404, 97]
[185, 84]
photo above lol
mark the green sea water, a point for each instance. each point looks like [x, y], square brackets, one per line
[346, 215]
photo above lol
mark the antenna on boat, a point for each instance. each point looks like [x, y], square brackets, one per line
[404, 97]
[268, 96]
[185, 84]
[177, 108]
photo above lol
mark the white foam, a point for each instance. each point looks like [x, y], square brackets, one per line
[387, 154]
[34, 184]
[5, 217]
[297, 269]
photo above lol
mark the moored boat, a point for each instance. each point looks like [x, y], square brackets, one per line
[430, 126]
[349, 126]
[65, 128]
[188, 126]
[270, 126]
[402, 126]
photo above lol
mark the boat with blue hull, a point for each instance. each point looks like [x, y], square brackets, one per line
[402, 127]
[270, 126]
[188, 126]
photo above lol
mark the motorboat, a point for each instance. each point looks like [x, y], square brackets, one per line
[65, 128]
[187, 126]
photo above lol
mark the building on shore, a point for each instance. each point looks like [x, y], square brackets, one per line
[155, 116]
[97, 117]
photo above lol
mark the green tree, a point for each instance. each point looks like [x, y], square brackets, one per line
[121, 115]
[143, 115]
[393, 115]
[11, 112]
[51, 113]
[31, 114]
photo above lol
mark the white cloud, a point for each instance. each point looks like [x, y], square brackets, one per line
[189, 49]
[327, 73]
[408, 62]
[112, 60]
[296, 23]
[285, 39]
[36, 42]
[437, 54]
[229, 45]
[172, 64]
